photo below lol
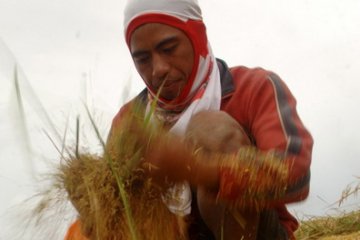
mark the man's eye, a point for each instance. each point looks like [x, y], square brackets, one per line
[141, 60]
[169, 49]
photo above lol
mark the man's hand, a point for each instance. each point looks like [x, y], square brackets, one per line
[170, 158]
[167, 159]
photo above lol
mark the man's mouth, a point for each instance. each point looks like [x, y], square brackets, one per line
[170, 89]
[169, 83]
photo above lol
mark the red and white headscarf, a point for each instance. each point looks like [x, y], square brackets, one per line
[202, 91]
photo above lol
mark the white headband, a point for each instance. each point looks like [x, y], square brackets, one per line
[182, 9]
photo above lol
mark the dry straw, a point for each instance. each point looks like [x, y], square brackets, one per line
[344, 226]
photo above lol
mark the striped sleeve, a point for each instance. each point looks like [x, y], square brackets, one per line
[276, 125]
[265, 107]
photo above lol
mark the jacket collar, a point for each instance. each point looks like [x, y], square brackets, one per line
[227, 84]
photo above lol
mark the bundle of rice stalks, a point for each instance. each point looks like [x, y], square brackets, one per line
[116, 199]
[257, 179]
[112, 194]
[95, 193]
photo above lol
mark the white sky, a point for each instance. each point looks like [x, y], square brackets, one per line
[74, 51]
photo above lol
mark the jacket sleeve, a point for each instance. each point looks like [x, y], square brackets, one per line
[264, 105]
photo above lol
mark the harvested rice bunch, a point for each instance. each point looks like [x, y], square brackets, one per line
[251, 178]
[113, 196]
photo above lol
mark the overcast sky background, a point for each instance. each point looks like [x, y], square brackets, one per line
[70, 52]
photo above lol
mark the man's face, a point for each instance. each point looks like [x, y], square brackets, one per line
[163, 56]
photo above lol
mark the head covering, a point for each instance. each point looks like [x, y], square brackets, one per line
[201, 92]
[186, 16]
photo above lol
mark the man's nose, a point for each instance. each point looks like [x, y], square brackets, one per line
[160, 69]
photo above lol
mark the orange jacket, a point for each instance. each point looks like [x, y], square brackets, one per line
[74, 232]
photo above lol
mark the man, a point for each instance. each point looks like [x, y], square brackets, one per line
[168, 43]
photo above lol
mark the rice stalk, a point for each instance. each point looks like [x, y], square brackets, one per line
[77, 136]
[119, 181]
[22, 118]
[350, 190]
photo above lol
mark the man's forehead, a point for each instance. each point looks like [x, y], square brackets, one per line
[160, 34]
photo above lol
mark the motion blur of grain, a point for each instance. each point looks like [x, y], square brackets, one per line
[65, 56]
